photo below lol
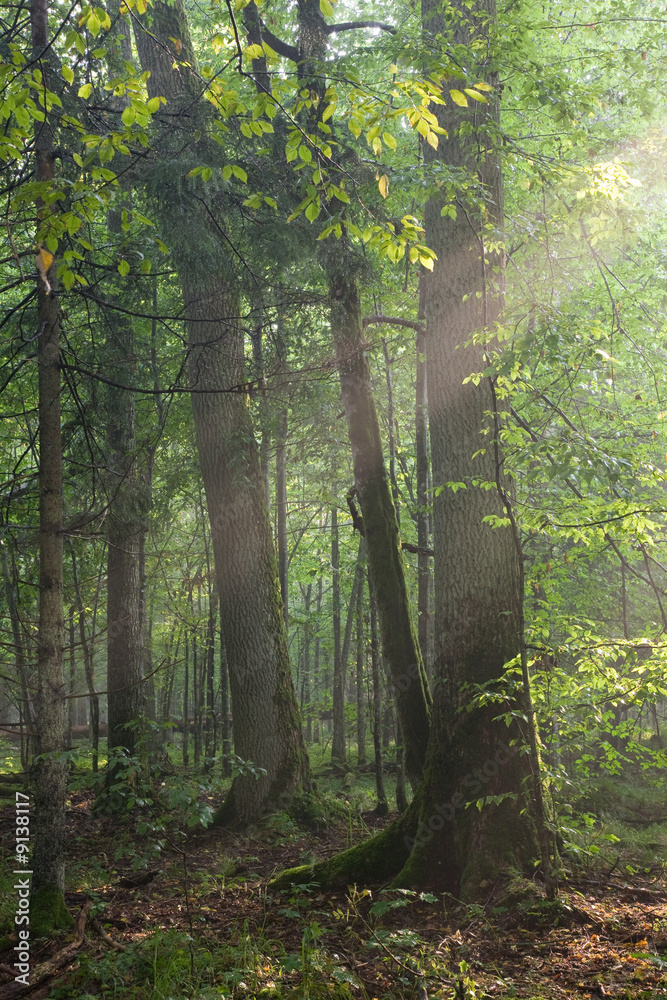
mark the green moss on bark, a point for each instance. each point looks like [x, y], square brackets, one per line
[48, 912]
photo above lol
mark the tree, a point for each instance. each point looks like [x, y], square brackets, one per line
[50, 770]
[267, 731]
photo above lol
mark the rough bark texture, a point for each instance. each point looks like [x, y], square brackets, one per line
[267, 729]
[48, 909]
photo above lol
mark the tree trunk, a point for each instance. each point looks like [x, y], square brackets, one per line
[281, 511]
[48, 909]
[422, 461]
[125, 521]
[382, 807]
[477, 577]
[267, 730]
[399, 639]
[338, 741]
[361, 701]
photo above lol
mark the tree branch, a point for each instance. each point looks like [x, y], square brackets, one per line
[393, 321]
[350, 25]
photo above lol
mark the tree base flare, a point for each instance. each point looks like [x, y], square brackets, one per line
[375, 860]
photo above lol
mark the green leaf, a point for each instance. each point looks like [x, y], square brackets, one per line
[389, 140]
[128, 117]
[326, 7]
[123, 268]
[68, 74]
[84, 90]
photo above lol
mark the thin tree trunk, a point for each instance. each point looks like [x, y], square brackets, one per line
[281, 511]
[224, 711]
[88, 659]
[361, 702]
[186, 703]
[341, 267]
[264, 422]
[338, 741]
[382, 807]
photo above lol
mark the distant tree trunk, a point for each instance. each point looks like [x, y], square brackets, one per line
[306, 687]
[10, 580]
[264, 422]
[316, 661]
[281, 511]
[186, 702]
[88, 659]
[225, 734]
[48, 909]
[267, 729]
[382, 807]
[338, 741]
[361, 702]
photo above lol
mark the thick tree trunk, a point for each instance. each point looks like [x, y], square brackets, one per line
[478, 600]
[48, 908]
[267, 730]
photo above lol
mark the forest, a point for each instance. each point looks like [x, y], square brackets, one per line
[333, 612]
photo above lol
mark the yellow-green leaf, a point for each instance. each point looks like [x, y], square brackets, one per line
[383, 185]
[474, 94]
[68, 74]
[128, 117]
[123, 268]
[326, 7]
[459, 98]
[84, 91]
[389, 140]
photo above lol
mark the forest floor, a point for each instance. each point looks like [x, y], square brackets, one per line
[205, 926]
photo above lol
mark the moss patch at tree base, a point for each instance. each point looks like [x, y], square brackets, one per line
[48, 912]
[374, 861]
